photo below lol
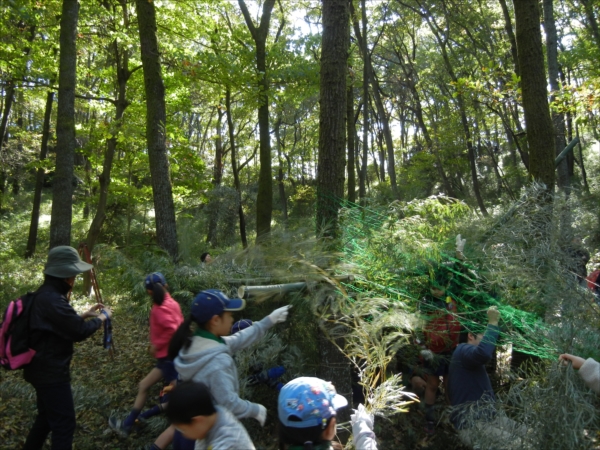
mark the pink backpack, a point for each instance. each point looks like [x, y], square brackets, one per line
[14, 334]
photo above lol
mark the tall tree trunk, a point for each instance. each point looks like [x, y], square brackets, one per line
[511, 35]
[234, 168]
[10, 97]
[350, 133]
[280, 183]
[16, 186]
[211, 237]
[39, 179]
[586, 187]
[558, 119]
[381, 112]
[365, 92]
[592, 22]
[540, 133]
[166, 227]
[264, 199]
[332, 115]
[381, 155]
[62, 184]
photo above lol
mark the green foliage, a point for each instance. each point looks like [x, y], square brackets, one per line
[303, 201]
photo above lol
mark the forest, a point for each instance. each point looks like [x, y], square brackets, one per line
[341, 156]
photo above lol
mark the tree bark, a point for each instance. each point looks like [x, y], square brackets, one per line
[558, 119]
[39, 180]
[592, 24]
[10, 97]
[586, 187]
[540, 133]
[381, 112]
[234, 168]
[362, 192]
[332, 115]
[350, 133]
[280, 183]
[166, 227]
[211, 237]
[264, 199]
[511, 35]
[62, 184]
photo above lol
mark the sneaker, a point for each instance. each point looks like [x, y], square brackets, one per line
[118, 426]
[430, 427]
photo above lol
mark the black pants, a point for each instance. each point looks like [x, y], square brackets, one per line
[56, 414]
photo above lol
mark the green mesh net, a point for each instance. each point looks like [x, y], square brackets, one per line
[400, 252]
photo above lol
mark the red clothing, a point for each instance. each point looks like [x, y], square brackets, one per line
[164, 321]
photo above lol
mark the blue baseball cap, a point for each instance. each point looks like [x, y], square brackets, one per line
[213, 302]
[309, 402]
[154, 278]
[241, 325]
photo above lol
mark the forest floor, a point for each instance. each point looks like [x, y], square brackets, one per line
[103, 387]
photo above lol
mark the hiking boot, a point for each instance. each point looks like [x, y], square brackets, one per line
[118, 426]
[430, 428]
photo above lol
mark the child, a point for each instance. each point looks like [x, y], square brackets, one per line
[307, 417]
[441, 332]
[194, 413]
[206, 354]
[165, 318]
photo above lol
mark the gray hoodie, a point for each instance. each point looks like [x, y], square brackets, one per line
[226, 434]
[590, 372]
[210, 362]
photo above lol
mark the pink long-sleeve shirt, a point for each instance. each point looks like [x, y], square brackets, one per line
[164, 321]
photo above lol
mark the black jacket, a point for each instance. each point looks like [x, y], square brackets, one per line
[54, 326]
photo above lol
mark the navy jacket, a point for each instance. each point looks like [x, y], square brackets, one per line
[468, 380]
[54, 326]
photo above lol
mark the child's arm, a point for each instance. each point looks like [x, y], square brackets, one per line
[257, 331]
[222, 388]
[588, 369]
[590, 372]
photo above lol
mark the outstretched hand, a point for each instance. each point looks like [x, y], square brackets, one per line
[93, 311]
[493, 315]
[577, 361]
[460, 243]
[262, 415]
[280, 314]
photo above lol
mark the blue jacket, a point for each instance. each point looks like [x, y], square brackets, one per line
[468, 380]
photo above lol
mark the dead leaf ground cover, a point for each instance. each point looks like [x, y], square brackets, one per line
[103, 387]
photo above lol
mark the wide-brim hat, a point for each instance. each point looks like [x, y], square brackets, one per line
[64, 262]
[213, 302]
[307, 402]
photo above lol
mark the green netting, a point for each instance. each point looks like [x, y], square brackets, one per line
[398, 252]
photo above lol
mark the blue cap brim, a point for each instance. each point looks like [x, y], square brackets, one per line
[235, 304]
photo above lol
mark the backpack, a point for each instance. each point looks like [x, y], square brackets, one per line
[443, 330]
[14, 334]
